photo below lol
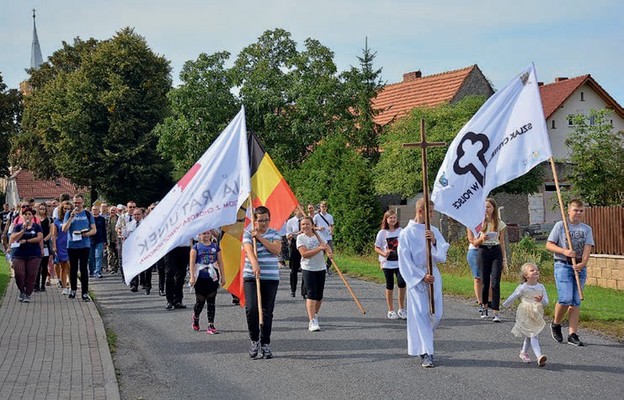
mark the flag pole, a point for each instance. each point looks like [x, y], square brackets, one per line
[344, 280]
[564, 218]
[255, 250]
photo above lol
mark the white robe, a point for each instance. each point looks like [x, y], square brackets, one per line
[413, 267]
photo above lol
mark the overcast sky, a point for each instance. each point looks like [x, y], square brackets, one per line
[563, 38]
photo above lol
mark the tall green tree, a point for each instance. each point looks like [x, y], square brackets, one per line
[261, 73]
[336, 172]
[93, 114]
[399, 170]
[361, 87]
[598, 159]
[10, 121]
[201, 108]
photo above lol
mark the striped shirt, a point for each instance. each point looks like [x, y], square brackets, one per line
[269, 269]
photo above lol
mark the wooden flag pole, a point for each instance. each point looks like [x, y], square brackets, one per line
[255, 249]
[344, 280]
[423, 144]
[564, 218]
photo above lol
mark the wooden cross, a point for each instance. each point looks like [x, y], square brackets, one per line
[423, 144]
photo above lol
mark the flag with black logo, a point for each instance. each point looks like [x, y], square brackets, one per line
[505, 139]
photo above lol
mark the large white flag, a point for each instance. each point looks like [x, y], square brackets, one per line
[207, 197]
[502, 141]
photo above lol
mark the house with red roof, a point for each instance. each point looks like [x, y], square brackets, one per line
[396, 100]
[561, 99]
[22, 184]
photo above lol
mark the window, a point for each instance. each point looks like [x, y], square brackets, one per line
[582, 96]
[552, 124]
[570, 120]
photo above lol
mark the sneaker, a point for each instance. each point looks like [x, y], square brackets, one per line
[179, 306]
[65, 292]
[402, 313]
[169, 306]
[100, 276]
[20, 297]
[72, 294]
[555, 331]
[313, 326]
[253, 349]
[573, 339]
[86, 297]
[212, 330]
[194, 322]
[392, 315]
[525, 357]
[42, 289]
[496, 318]
[484, 313]
[266, 351]
[292, 294]
[27, 298]
[541, 361]
[58, 284]
[427, 361]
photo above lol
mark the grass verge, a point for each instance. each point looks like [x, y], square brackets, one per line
[601, 309]
[5, 275]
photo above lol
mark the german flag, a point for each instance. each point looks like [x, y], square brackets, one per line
[269, 189]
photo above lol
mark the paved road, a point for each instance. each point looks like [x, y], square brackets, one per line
[159, 356]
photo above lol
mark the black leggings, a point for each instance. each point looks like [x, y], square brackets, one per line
[42, 274]
[205, 293]
[389, 274]
[295, 265]
[79, 258]
[490, 260]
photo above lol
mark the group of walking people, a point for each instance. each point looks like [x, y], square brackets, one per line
[31, 235]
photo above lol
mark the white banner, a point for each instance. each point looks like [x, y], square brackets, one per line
[505, 139]
[207, 197]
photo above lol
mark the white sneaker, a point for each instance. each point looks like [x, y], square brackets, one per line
[65, 292]
[313, 326]
[402, 313]
[392, 315]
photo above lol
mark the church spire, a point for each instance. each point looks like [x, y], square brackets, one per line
[35, 53]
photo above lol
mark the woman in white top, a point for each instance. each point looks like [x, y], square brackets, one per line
[491, 257]
[313, 269]
[386, 245]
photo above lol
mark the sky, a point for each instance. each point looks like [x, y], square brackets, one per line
[562, 37]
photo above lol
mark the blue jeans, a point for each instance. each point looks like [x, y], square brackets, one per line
[471, 257]
[95, 258]
[567, 291]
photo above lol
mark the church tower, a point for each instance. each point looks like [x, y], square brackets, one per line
[35, 57]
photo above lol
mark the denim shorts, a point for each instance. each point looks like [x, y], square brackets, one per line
[567, 291]
[472, 256]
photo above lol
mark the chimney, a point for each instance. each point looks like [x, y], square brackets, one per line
[561, 78]
[411, 76]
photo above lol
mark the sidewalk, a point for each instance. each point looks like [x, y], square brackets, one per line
[53, 348]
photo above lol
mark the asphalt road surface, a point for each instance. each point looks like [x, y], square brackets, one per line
[354, 356]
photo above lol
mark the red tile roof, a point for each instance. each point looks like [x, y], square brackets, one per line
[29, 187]
[396, 100]
[556, 93]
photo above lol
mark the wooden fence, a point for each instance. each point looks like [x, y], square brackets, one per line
[608, 227]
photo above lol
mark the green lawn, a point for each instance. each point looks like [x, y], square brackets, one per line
[601, 309]
[4, 275]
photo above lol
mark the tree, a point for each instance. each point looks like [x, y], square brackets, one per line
[399, 169]
[92, 114]
[10, 120]
[597, 157]
[200, 109]
[337, 173]
[261, 72]
[361, 87]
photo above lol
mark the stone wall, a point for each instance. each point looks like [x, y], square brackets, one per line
[606, 271]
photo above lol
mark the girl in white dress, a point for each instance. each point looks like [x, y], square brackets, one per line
[530, 313]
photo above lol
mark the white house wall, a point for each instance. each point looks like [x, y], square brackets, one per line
[574, 105]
